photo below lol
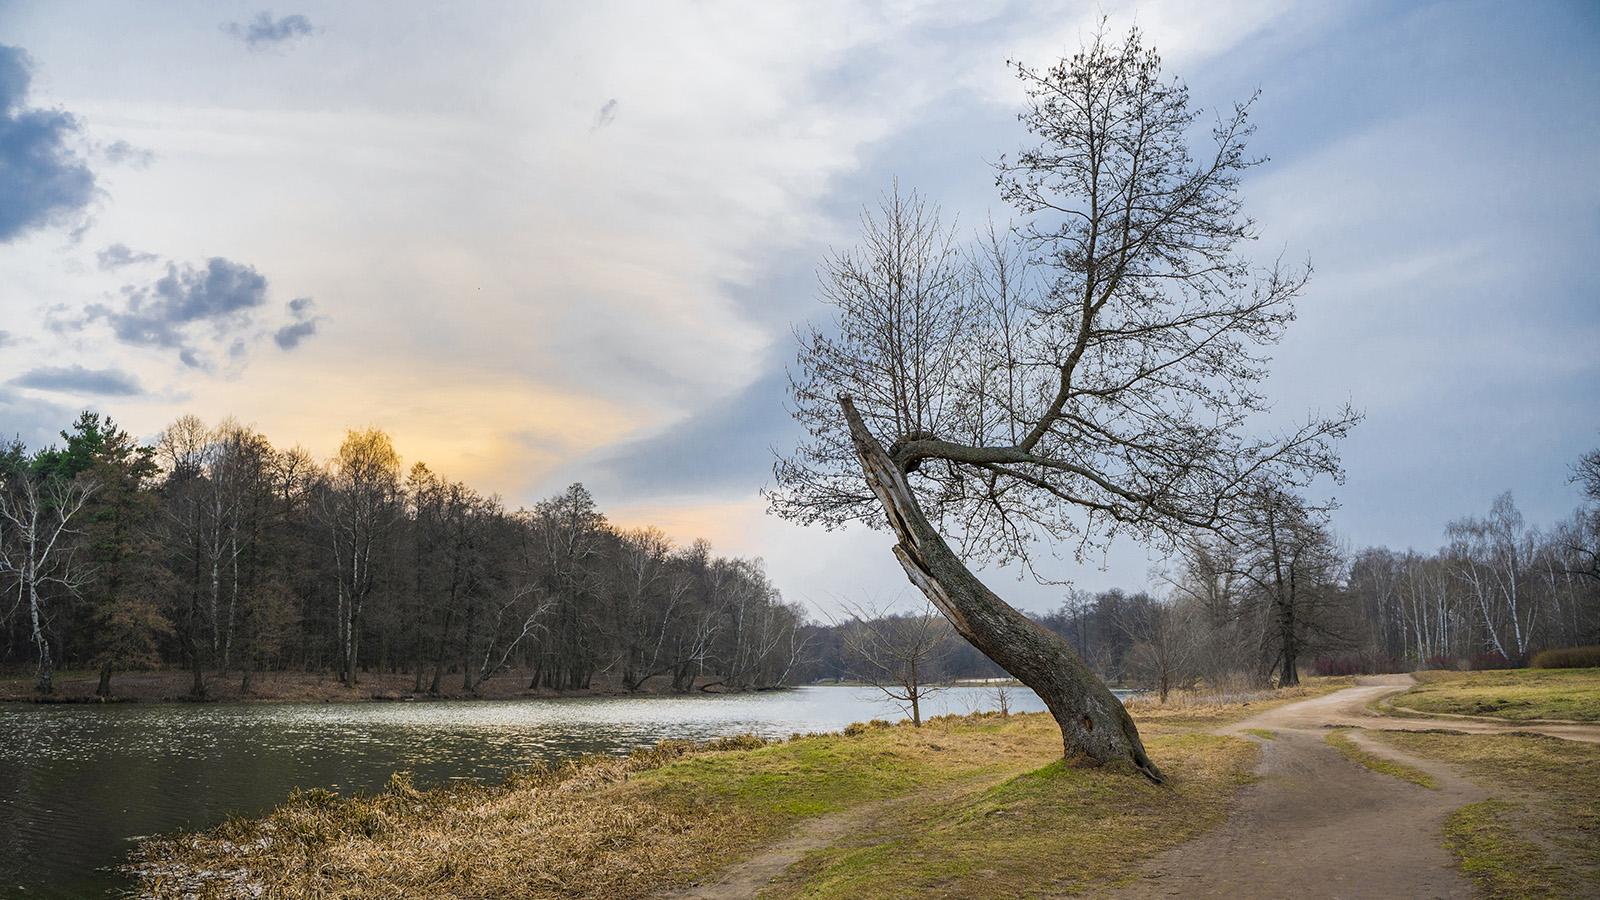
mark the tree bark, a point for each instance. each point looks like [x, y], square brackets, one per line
[1094, 725]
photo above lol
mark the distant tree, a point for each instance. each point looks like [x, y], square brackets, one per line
[124, 621]
[1166, 641]
[360, 508]
[41, 524]
[1495, 560]
[1585, 542]
[1290, 558]
[1096, 381]
[899, 654]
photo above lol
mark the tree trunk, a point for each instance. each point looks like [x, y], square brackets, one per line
[103, 690]
[1094, 725]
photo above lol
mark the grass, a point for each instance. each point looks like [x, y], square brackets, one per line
[1262, 733]
[1054, 829]
[1339, 739]
[968, 805]
[1538, 840]
[1516, 694]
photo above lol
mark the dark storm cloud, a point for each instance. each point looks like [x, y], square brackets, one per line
[78, 380]
[265, 31]
[42, 181]
[303, 310]
[118, 255]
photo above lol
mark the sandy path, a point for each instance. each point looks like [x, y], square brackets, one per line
[1318, 824]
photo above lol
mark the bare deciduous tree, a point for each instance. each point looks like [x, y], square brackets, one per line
[1096, 380]
[898, 654]
[38, 540]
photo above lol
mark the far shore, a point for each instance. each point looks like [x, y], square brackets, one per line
[309, 687]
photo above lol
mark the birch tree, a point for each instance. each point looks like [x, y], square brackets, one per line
[360, 509]
[40, 521]
[1096, 376]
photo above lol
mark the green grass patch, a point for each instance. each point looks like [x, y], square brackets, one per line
[1546, 822]
[1262, 733]
[1492, 853]
[1053, 830]
[1518, 694]
[1339, 739]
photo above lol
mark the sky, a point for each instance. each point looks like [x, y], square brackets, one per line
[546, 243]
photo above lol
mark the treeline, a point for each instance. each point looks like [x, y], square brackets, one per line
[216, 552]
[1287, 598]
[1282, 596]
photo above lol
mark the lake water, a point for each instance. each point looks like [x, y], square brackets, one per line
[77, 782]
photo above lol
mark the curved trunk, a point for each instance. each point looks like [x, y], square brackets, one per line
[1094, 725]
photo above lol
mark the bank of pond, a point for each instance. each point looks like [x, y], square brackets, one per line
[79, 782]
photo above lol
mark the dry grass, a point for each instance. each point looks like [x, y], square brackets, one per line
[1520, 694]
[576, 830]
[1541, 836]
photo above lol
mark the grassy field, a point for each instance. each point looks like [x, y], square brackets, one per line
[1520, 694]
[976, 805]
[1540, 837]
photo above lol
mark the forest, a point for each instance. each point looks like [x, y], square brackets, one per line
[214, 552]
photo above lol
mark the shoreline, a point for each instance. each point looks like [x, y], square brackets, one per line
[76, 687]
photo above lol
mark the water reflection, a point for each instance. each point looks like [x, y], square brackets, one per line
[76, 782]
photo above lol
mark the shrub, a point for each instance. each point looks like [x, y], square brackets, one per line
[1568, 658]
[1443, 662]
[1489, 661]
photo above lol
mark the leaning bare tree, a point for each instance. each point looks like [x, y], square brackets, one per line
[1093, 375]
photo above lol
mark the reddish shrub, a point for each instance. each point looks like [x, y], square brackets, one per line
[1489, 661]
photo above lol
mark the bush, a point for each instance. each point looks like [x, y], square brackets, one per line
[1443, 662]
[1568, 658]
[1489, 661]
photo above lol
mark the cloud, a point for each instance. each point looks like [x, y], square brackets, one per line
[76, 379]
[119, 152]
[266, 32]
[42, 181]
[7, 339]
[118, 255]
[167, 314]
[722, 449]
[605, 116]
[305, 325]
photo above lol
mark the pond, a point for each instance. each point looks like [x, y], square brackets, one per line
[78, 782]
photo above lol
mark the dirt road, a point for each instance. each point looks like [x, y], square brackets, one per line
[1317, 825]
